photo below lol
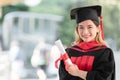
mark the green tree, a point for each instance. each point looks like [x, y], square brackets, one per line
[11, 8]
[111, 22]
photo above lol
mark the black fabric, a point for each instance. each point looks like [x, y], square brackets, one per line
[86, 13]
[103, 65]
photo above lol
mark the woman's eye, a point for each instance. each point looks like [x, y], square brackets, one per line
[89, 27]
[80, 27]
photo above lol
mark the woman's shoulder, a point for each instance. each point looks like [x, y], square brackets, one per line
[107, 52]
[108, 49]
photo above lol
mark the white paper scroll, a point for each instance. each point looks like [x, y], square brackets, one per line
[59, 44]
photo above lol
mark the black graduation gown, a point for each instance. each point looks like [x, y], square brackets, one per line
[101, 66]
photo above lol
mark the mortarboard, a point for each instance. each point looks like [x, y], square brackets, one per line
[85, 13]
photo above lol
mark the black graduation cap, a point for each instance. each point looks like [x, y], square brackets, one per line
[85, 13]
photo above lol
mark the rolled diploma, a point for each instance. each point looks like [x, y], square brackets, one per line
[59, 44]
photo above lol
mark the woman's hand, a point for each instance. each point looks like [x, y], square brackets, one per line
[74, 70]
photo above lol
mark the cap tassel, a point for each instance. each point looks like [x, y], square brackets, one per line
[101, 27]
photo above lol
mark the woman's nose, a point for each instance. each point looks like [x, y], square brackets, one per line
[85, 31]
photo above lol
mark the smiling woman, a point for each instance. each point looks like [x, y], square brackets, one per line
[91, 58]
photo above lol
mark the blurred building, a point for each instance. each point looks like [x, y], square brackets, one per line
[29, 29]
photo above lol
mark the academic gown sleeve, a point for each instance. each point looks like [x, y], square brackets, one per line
[104, 67]
[64, 75]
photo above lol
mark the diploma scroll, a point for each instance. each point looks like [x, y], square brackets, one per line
[64, 55]
[59, 44]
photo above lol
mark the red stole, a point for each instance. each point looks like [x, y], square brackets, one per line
[85, 62]
[89, 46]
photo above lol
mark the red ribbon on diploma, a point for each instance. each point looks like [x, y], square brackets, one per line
[63, 57]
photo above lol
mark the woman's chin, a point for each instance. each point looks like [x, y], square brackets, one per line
[87, 40]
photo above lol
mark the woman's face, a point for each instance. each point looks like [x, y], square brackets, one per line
[87, 30]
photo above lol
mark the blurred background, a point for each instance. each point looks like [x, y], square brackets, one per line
[29, 28]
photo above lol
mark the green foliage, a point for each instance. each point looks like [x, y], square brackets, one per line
[112, 23]
[68, 27]
[52, 7]
[61, 7]
[11, 8]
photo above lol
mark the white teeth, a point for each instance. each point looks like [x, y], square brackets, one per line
[86, 36]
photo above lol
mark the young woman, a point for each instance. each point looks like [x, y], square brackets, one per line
[91, 58]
